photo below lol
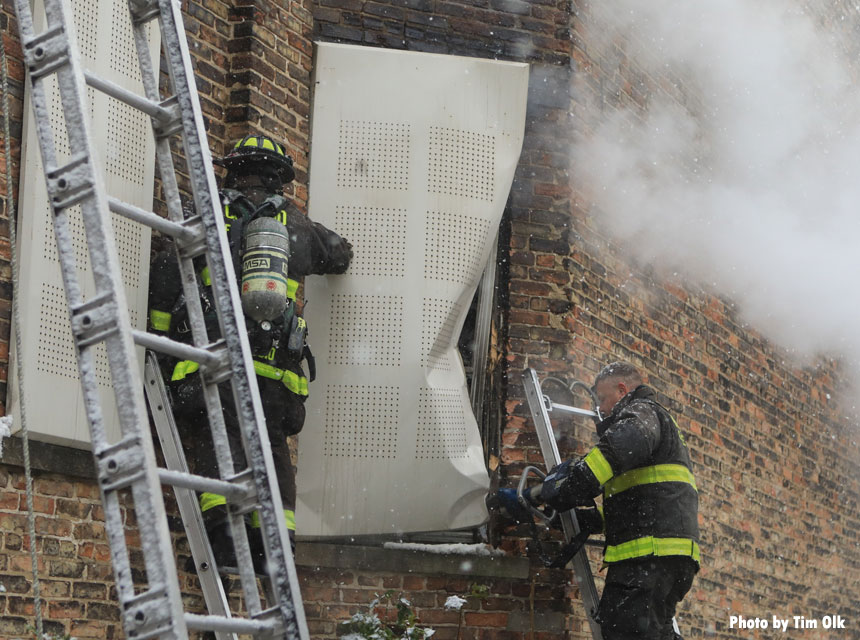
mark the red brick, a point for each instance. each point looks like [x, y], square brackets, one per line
[413, 583]
[482, 619]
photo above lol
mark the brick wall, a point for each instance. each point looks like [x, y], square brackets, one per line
[776, 458]
[269, 77]
[774, 443]
[505, 597]
[76, 578]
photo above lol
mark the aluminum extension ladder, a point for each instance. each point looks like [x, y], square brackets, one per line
[540, 405]
[186, 499]
[129, 465]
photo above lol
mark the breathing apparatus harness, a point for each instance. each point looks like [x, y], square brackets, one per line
[260, 245]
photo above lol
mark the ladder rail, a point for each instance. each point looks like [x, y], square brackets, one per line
[580, 563]
[186, 499]
[225, 291]
[104, 318]
[282, 573]
[157, 611]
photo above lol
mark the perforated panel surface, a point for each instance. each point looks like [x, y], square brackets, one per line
[368, 330]
[413, 157]
[123, 149]
[128, 131]
[127, 234]
[123, 59]
[373, 155]
[455, 246]
[86, 19]
[361, 421]
[378, 237]
[441, 425]
[56, 353]
[462, 163]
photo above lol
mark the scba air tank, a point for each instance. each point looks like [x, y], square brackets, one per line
[264, 269]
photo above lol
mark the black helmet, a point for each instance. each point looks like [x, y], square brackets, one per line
[256, 148]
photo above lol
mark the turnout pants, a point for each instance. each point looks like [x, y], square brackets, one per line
[283, 418]
[640, 597]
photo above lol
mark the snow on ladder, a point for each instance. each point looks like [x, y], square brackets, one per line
[129, 465]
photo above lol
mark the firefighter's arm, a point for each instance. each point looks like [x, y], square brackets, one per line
[314, 248]
[627, 444]
[568, 485]
[338, 251]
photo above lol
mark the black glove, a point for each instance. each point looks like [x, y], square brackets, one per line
[506, 503]
[554, 484]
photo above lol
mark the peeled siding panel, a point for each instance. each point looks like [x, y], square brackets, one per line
[126, 153]
[412, 160]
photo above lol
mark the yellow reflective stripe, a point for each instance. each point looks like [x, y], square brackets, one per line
[292, 288]
[295, 383]
[651, 546]
[599, 465]
[292, 381]
[211, 500]
[267, 370]
[289, 518]
[183, 368]
[159, 320]
[649, 475]
[205, 277]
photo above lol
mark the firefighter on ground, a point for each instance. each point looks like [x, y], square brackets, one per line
[642, 468]
[258, 218]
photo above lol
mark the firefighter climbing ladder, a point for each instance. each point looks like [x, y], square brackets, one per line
[540, 406]
[155, 610]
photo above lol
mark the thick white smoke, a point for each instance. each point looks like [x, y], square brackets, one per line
[752, 188]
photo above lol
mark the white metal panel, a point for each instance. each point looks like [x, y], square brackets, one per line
[413, 158]
[54, 402]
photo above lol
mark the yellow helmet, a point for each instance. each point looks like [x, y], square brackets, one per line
[256, 148]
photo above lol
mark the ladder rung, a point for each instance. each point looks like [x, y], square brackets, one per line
[147, 615]
[70, 184]
[552, 406]
[232, 491]
[46, 52]
[153, 109]
[153, 221]
[179, 350]
[229, 625]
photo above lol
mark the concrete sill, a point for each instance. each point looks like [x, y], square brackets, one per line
[377, 559]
